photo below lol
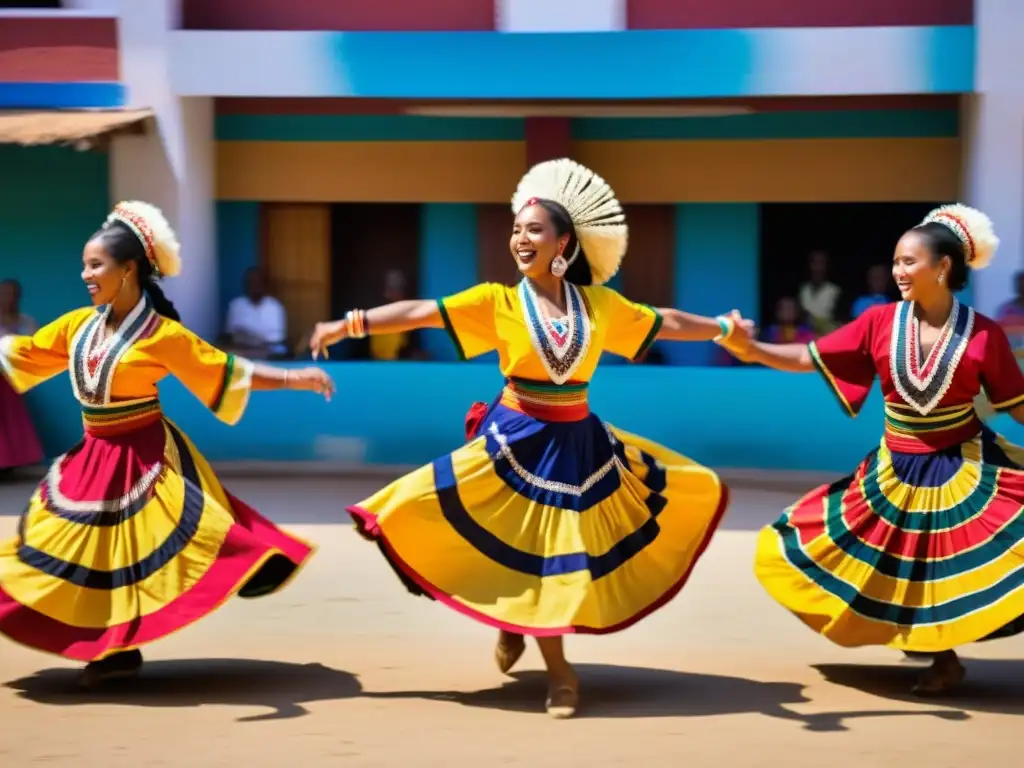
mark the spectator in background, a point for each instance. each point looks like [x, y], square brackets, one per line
[395, 346]
[19, 443]
[1011, 315]
[788, 327]
[256, 324]
[819, 298]
[878, 287]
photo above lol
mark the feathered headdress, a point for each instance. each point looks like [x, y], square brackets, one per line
[973, 228]
[597, 217]
[154, 232]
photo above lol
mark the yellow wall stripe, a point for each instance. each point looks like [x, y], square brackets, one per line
[770, 171]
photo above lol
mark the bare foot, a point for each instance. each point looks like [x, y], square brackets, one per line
[509, 650]
[943, 675]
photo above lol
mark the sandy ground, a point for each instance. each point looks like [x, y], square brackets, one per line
[344, 667]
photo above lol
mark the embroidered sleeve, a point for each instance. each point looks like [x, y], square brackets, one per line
[631, 327]
[469, 319]
[1000, 372]
[843, 358]
[221, 381]
[27, 361]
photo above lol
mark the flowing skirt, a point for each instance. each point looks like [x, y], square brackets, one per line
[919, 552]
[547, 528]
[19, 443]
[130, 538]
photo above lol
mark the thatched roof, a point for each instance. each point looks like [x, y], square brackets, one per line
[68, 127]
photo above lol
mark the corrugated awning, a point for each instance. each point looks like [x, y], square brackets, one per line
[67, 127]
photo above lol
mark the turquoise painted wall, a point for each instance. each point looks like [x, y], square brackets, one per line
[238, 247]
[447, 261]
[716, 268]
[409, 413]
[826, 124]
[51, 200]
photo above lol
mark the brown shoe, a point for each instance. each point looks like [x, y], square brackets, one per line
[563, 700]
[509, 650]
[118, 666]
[942, 676]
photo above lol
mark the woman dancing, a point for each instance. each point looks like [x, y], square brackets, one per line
[549, 521]
[130, 536]
[920, 549]
[19, 443]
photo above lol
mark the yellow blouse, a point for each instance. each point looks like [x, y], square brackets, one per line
[129, 365]
[491, 316]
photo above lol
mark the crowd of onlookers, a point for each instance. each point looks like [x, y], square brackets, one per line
[256, 325]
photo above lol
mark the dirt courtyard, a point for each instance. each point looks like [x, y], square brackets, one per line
[344, 667]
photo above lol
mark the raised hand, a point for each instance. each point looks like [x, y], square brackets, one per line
[326, 334]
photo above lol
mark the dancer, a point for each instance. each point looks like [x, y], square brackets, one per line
[130, 536]
[19, 443]
[549, 521]
[920, 548]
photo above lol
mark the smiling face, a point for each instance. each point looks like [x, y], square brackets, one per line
[103, 276]
[535, 241]
[915, 269]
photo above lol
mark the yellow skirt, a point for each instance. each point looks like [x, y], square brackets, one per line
[548, 528]
[129, 538]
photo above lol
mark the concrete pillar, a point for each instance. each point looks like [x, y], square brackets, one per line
[561, 16]
[174, 167]
[993, 136]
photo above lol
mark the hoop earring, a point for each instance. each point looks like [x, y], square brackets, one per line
[559, 265]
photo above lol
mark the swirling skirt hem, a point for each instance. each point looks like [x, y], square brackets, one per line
[233, 569]
[833, 618]
[368, 527]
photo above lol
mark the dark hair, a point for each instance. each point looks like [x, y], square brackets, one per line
[14, 284]
[579, 272]
[124, 246]
[941, 241]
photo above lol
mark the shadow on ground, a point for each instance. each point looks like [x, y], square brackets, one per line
[627, 692]
[994, 686]
[279, 687]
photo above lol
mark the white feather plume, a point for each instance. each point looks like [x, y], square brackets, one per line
[152, 228]
[972, 227]
[596, 214]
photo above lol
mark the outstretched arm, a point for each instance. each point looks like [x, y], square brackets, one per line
[677, 325]
[792, 358]
[398, 317]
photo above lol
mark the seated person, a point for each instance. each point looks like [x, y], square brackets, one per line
[788, 327]
[256, 324]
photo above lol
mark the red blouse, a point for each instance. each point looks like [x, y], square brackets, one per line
[972, 352]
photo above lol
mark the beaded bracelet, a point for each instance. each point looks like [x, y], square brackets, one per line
[355, 320]
[726, 326]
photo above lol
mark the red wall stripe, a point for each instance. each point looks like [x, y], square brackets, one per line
[547, 138]
[740, 14]
[339, 15]
[54, 50]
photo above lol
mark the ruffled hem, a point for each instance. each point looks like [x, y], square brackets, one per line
[847, 559]
[368, 527]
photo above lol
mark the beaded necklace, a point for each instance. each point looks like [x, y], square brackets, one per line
[921, 381]
[562, 344]
[94, 358]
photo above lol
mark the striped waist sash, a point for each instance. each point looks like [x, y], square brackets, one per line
[546, 401]
[908, 431]
[120, 418]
